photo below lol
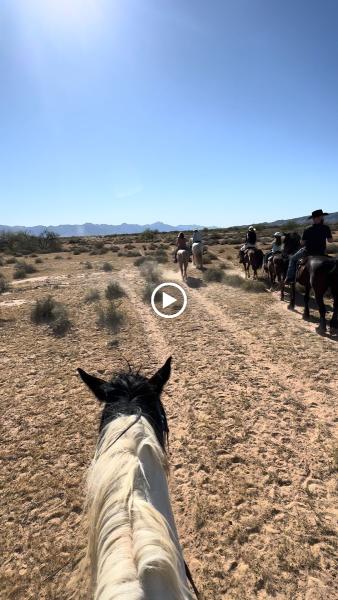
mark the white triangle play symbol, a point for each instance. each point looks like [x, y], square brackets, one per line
[167, 300]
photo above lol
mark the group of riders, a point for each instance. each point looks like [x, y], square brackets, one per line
[183, 244]
[313, 243]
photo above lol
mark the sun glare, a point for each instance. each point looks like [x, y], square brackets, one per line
[80, 16]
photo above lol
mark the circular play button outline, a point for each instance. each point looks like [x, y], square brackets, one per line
[169, 284]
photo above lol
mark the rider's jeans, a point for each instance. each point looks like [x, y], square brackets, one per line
[291, 272]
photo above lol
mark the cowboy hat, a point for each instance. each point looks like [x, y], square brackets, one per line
[251, 228]
[277, 234]
[317, 213]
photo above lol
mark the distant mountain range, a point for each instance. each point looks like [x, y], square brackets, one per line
[90, 229]
[331, 218]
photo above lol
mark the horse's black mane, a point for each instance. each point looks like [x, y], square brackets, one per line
[130, 394]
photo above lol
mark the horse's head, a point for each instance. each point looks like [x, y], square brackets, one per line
[291, 242]
[130, 393]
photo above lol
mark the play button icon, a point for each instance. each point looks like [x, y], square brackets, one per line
[167, 300]
[166, 295]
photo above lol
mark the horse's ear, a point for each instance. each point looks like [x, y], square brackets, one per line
[95, 384]
[161, 376]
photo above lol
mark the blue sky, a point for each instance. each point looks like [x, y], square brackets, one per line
[183, 111]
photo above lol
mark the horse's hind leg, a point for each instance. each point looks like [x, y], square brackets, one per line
[292, 302]
[322, 311]
[334, 320]
[306, 313]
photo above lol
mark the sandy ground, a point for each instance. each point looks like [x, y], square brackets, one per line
[253, 447]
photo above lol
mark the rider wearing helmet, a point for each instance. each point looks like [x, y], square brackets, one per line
[181, 244]
[313, 242]
[276, 246]
[250, 241]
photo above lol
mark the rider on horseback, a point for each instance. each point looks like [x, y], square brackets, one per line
[250, 242]
[181, 244]
[277, 247]
[313, 242]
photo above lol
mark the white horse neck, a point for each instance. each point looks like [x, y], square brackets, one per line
[134, 551]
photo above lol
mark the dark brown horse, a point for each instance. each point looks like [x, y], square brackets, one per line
[290, 246]
[253, 258]
[275, 268]
[321, 274]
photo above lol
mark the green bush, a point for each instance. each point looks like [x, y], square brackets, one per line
[114, 291]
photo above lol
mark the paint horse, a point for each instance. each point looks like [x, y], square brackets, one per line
[133, 549]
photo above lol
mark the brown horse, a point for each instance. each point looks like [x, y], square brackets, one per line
[275, 268]
[321, 274]
[290, 246]
[252, 258]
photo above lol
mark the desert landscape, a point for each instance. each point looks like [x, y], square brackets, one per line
[251, 405]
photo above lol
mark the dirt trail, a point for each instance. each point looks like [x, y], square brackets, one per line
[250, 405]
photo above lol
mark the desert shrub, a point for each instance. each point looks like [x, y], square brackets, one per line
[4, 286]
[148, 235]
[93, 295]
[88, 265]
[107, 267]
[213, 275]
[76, 251]
[161, 256]
[38, 261]
[129, 246]
[147, 291]
[2, 262]
[110, 317]
[233, 280]
[21, 269]
[333, 248]
[58, 257]
[254, 285]
[114, 291]
[142, 259]
[150, 272]
[42, 312]
[49, 311]
[249, 285]
[10, 261]
[115, 248]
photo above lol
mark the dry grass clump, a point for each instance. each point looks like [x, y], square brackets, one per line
[151, 273]
[213, 275]
[110, 317]
[114, 291]
[48, 311]
[21, 269]
[249, 285]
[58, 257]
[142, 259]
[38, 260]
[4, 286]
[88, 265]
[115, 248]
[107, 267]
[93, 295]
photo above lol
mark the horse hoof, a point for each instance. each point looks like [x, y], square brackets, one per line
[291, 307]
[306, 316]
[321, 330]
